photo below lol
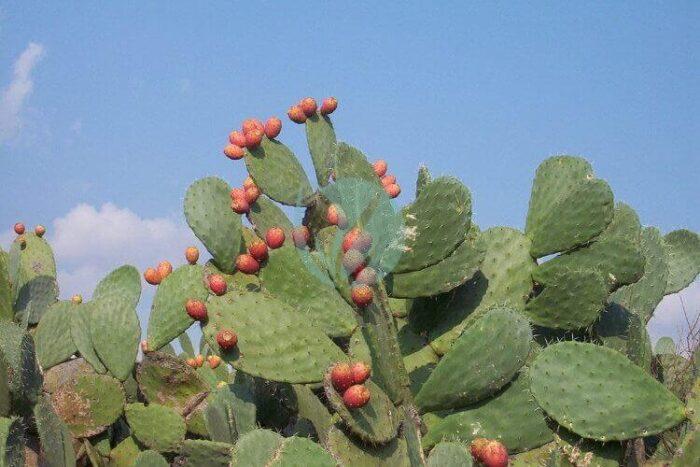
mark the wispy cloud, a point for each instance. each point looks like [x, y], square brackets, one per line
[15, 94]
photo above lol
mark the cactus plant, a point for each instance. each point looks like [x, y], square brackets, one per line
[460, 334]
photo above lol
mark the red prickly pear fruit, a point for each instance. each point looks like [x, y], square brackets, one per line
[393, 190]
[358, 240]
[164, 269]
[237, 138]
[234, 152]
[308, 106]
[494, 454]
[237, 193]
[144, 346]
[301, 236]
[258, 249]
[199, 360]
[379, 167]
[151, 276]
[274, 237]
[360, 372]
[251, 124]
[39, 230]
[196, 309]
[191, 362]
[248, 182]
[217, 284]
[387, 180]
[296, 114]
[240, 205]
[19, 228]
[477, 448]
[362, 295]
[341, 377]
[336, 216]
[328, 105]
[226, 339]
[367, 276]
[350, 238]
[252, 193]
[273, 126]
[253, 138]
[77, 299]
[214, 361]
[247, 264]
[353, 261]
[192, 255]
[356, 396]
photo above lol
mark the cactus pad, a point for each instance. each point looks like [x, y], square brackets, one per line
[11, 442]
[123, 282]
[598, 393]
[54, 434]
[80, 332]
[156, 426]
[265, 214]
[682, 248]
[348, 451]
[54, 343]
[115, 332]
[150, 459]
[34, 298]
[352, 164]
[450, 454]
[320, 137]
[33, 260]
[485, 357]
[230, 412]
[196, 452]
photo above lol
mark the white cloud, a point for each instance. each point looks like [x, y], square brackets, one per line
[14, 95]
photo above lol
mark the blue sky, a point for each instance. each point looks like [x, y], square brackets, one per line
[126, 104]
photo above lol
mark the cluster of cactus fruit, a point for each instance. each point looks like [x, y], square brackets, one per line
[366, 336]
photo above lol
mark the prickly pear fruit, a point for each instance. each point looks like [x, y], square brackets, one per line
[357, 239]
[296, 114]
[248, 182]
[362, 295]
[252, 193]
[356, 396]
[380, 167]
[360, 372]
[251, 124]
[477, 447]
[151, 276]
[273, 126]
[39, 230]
[192, 255]
[164, 269]
[234, 152]
[490, 452]
[274, 237]
[199, 360]
[237, 193]
[353, 261]
[214, 361]
[393, 190]
[77, 299]
[196, 309]
[19, 228]
[240, 205]
[253, 138]
[328, 105]
[388, 180]
[258, 250]
[336, 216]
[308, 106]
[237, 138]
[247, 264]
[226, 339]
[191, 362]
[144, 346]
[341, 377]
[217, 284]
[367, 276]
[301, 236]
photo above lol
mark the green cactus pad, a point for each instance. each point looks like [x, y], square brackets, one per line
[6, 297]
[312, 409]
[123, 283]
[581, 451]
[166, 380]
[423, 179]
[33, 260]
[265, 214]
[264, 447]
[572, 299]
[278, 173]
[230, 412]
[209, 215]
[682, 248]
[4, 386]
[150, 459]
[168, 317]
[599, 394]
[256, 448]
[350, 452]
[274, 342]
[54, 343]
[156, 426]
[643, 296]
[54, 434]
[123, 454]
[625, 332]
[115, 332]
[320, 137]
[186, 344]
[198, 452]
[625, 224]
[352, 164]
[288, 278]
[435, 224]
[689, 452]
[441, 277]
[80, 333]
[485, 357]
[619, 260]
[676, 373]
[450, 454]
[23, 373]
[11, 442]
[511, 416]
[89, 403]
[377, 422]
[665, 345]
[34, 299]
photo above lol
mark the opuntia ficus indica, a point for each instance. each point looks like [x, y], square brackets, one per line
[361, 295]
[192, 255]
[217, 284]
[247, 264]
[301, 236]
[329, 105]
[341, 376]
[164, 269]
[274, 237]
[308, 106]
[296, 114]
[360, 372]
[226, 339]
[39, 230]
[234, 152]
[151, 276]
[258, 249]
[356, 396]
[196, 309]
[380, 167]
[19, 228]
[237, 138]
[273, 127]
